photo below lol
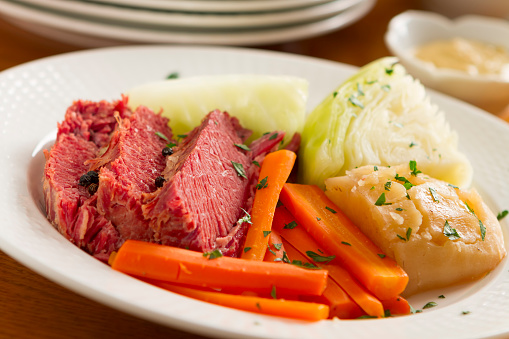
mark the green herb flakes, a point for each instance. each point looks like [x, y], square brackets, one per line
[256, 163]
[502, 214]
[381, 255]
[213, 255]
[482, 228]
[381, 200]
[290, 225]
[320, 258]
[399, 209]
[330, 209]
[386, 88]
[408, 233]
[453, 186]
[273, 292]
[412, 144]
[173, 75]
[262, 184]
[465, 312]
[434, 194]
[407, 184]
[375, 168]
[247, 249]
[278, 246]
[266, 233]
[162, 136]
[429, 305]
[400, 237]
[239, 169]
[246, 218]
[182, 136]
[359, 90]
[243, 147]
[450, 232]
[346, 243]
[258, 306]
[387, 185]
[413, 167]
[441, 296]
[307, 265]
[273, 136]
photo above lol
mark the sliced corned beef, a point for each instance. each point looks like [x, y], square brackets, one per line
[128, 169]
[69, 206]
[206, 193]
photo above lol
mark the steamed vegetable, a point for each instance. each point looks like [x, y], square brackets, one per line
[380, 116]
[336, 234]
[262, 103]
[276, 169]
[211, 270]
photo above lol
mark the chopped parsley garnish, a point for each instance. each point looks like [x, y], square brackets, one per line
[413, 167]
[465, 312]
[381, 200]
[273, 292]
[258, 306]
[334, 94]
[450, 232]
[381, 255]
[246, 218]
[213, 255]
[482, 228]
[412, 144]
[162, 136]
[271, 250]
[434, 194]
[173, 75]
[429, 305]
[502, 215]
[181, 136]
[413, 310]
[256, 163]
[273, 136]
[330, 209]
[405, 181]
[375, 168]
[441, 296]
[399, 209]
[307, 265]
[354, 101]
[346, 243]
[242, 146]
[408, 233]
[386, 88]
[387, 185]
[239, 169]
[247, 249]
[318, 218]
[320, 258]
[371, 82]
[290, 225]
[266, 233]
[278, 246]
[262, 184]
[402, 238]
[453, 186]
[389, 71]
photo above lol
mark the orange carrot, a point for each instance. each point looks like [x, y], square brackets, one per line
[278, 307]
[276, 168]
[340, 304]
[397, 306]
[275, 248]
[296, 235]
[171, 264]
[330, 227]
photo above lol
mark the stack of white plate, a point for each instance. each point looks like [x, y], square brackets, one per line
[95, 23]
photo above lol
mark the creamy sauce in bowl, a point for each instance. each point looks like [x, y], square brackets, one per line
[469, 56]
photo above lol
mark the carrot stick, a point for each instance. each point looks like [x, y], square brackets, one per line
[340, 304]
[328, 225]
[276, 168]
[275, 248]
[397, 306]
[278, 307]
[300, 239]
[171, 264]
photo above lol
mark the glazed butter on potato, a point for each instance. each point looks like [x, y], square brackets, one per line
[440, 234]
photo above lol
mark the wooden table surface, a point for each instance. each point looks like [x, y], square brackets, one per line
[31, 306]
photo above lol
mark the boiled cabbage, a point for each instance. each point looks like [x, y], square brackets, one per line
[380, 116]
[262, 103]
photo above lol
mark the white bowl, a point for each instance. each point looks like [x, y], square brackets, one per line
[411, 29]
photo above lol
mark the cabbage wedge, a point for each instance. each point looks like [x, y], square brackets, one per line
[380, 116]
[262, 103]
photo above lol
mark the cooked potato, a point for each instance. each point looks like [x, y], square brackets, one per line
[440, 234]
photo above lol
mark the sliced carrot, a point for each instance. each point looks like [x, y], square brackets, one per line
[275, 249]
[171, 264]
[330, 227]
[278, 307]
[285, 224]
[397, 306]
[276, 168]
[340, 304]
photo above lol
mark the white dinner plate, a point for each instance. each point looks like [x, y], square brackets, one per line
[217, 6]
[34, 97]
[192, 20]
[89, 33]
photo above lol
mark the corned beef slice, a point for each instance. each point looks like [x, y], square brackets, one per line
[128, 169]
[204, 196]
[87, 127]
